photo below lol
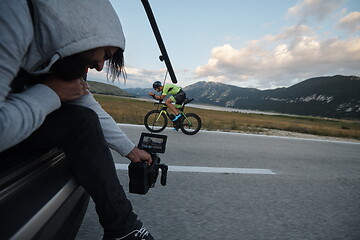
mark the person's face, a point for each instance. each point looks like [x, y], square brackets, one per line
[98, 56]
[75, 66]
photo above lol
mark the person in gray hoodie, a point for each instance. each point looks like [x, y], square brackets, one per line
[57, 41]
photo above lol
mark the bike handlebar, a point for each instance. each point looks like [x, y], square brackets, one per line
[159, 102]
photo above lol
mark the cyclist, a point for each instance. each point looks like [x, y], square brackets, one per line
[177, 96]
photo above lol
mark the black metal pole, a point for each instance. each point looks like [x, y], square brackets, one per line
[164, 56]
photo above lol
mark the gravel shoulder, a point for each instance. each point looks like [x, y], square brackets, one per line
[273, 132]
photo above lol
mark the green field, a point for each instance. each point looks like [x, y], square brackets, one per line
[132, 111]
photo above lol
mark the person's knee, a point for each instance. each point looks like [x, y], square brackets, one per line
[83, 123]
[168, 101]
[80, 115]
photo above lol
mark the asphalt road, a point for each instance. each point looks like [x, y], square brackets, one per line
[310, 189]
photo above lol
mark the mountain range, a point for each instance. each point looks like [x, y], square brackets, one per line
[107, 89]
[333, 97]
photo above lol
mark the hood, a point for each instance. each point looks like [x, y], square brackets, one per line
[66, 27]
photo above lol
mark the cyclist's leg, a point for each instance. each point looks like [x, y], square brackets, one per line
[179, 97]
[169, 104]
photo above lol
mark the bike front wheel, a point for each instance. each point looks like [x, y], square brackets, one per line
[190, 124]
[155, 121]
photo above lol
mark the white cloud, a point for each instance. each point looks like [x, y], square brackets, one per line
[296, 53]
[282, 60]
[350, 22]
[292, 32]
[317, 9]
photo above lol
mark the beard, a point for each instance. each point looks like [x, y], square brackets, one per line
[71, 67]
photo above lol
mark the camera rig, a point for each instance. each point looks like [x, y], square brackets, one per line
[142, 176]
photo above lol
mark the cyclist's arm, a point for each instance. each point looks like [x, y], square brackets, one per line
[161, 97]
[157, 97]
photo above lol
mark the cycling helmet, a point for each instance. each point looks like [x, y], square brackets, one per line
[156, 85]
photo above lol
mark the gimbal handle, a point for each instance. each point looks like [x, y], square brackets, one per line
[156, 165]
[164, 169]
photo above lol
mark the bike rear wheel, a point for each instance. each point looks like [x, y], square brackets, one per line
[154, 122]
[191, 124]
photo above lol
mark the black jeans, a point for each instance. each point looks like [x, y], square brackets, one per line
[78, 132]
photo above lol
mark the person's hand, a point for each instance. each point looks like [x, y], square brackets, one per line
[152, 95]
[68, 90]
[137, 155]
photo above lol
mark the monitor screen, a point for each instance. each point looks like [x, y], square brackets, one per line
[154, 143]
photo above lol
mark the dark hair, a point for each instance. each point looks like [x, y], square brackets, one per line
[69, 68]
[116, 66]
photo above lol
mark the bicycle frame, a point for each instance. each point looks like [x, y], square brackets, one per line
[164, 111]
[189, 123]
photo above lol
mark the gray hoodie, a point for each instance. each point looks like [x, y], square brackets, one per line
[59, 28]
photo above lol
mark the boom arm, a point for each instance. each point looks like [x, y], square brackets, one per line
[164, 56]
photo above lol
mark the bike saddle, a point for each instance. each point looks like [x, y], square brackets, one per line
[187, 100]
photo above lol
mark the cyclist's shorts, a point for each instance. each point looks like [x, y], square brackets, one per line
[179, 97]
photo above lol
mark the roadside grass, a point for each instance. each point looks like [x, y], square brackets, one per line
[132, 111]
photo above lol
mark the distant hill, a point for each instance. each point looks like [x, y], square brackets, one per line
[140, 92]
[103, 88]
[336, 97]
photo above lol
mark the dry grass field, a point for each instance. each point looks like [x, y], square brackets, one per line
[129, 110]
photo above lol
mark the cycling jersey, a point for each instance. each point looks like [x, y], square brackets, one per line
[170, 89]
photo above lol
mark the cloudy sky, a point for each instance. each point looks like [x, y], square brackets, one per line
[263, 44]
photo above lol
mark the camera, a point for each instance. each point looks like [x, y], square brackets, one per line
[142, 176]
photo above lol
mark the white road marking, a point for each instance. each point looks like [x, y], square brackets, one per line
[208, 169]
[259, 135]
